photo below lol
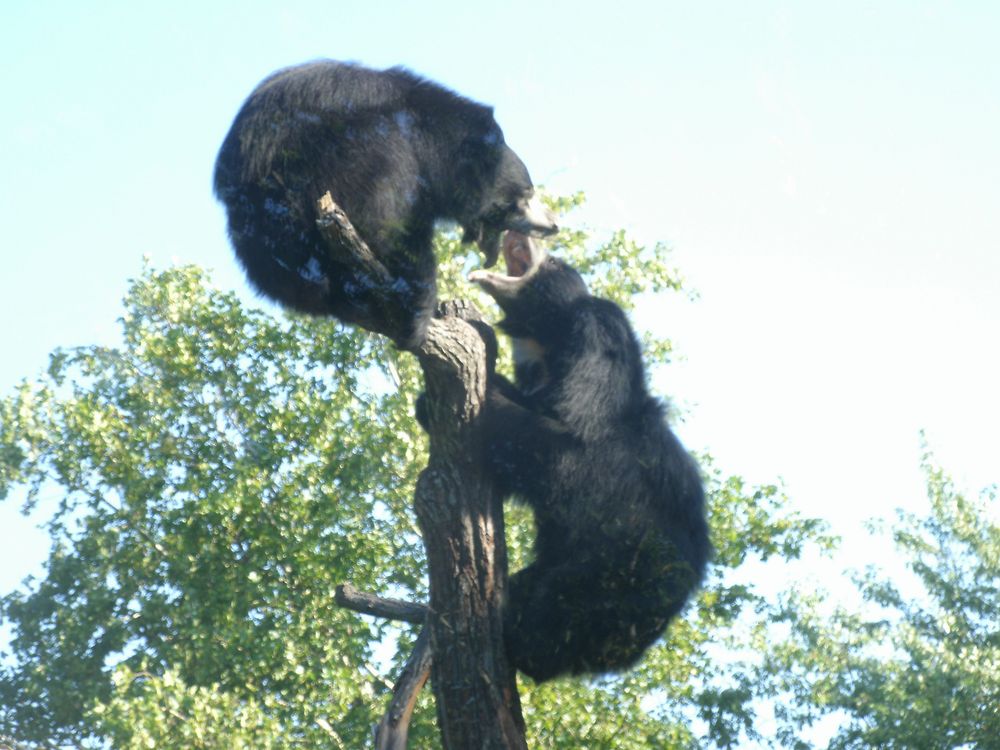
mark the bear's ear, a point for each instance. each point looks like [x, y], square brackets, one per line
[482, 127]
[484, 114]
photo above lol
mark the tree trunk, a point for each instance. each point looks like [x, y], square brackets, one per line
[460, 514]
[461, 517]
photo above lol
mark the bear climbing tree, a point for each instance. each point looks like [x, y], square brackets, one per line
[333, 176]
[618, 504]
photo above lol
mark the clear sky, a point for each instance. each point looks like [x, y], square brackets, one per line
[828, 175]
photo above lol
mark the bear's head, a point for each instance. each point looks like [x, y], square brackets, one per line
[536, 285]
[495, 192]
[538, 296]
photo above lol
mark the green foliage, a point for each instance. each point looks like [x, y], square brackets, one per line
[915, 669]
[215, 483]
[147, 711]
[220, 471]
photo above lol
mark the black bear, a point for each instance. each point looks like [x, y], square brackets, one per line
[622, 539]
[397, 153]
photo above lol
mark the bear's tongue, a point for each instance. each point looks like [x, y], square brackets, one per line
[517, 253]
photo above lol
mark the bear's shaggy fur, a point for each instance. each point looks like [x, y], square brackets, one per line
[622, 538]
[397, 153]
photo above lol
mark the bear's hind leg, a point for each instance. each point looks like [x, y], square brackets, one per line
[549, 624]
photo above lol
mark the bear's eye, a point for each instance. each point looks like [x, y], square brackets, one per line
[500, 213]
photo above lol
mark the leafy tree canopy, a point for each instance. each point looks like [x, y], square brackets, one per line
[221, 470]
[914, 669]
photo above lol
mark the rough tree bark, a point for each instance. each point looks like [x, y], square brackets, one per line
[460, 515]
[461, 518]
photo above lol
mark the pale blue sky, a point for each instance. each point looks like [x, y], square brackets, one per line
[828, 175]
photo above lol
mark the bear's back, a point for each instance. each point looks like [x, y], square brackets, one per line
[332, 86]
[296, 116]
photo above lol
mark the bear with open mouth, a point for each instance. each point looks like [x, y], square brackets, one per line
[622, 538]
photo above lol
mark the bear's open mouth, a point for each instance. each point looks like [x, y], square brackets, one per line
[517, 253]
[523, 257]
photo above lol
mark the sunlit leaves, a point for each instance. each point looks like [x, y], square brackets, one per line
[921, 666]
[216, 474]
[215, 482]
[150, 711]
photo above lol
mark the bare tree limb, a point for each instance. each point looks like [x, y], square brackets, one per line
[394, 727]
[378, 303]
[340, 233]
[351, 598]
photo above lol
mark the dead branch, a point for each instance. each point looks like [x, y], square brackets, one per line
[392, 730]
[340, 234]
[351, 598]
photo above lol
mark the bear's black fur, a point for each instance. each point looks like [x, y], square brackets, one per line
[397, 153]
[622, 537]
